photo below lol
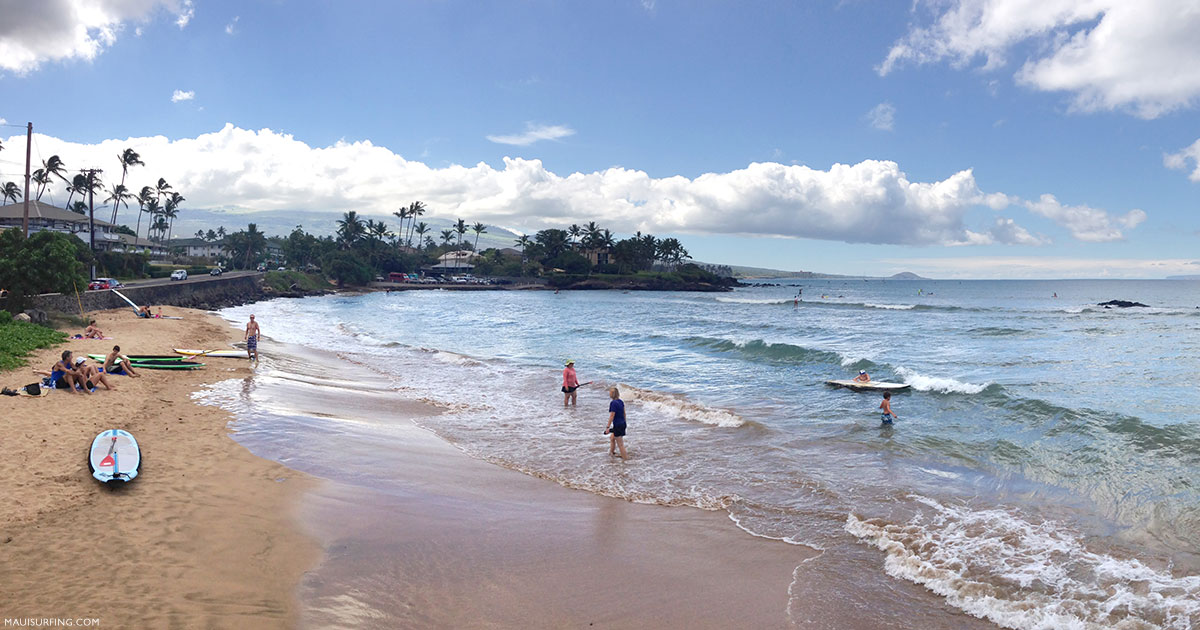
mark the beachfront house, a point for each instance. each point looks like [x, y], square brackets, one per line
[198, 247]
[135, 245]
[43, 216]
[454, 262]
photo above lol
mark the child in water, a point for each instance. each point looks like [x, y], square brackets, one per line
[886, 406]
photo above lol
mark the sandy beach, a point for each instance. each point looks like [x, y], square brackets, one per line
[204, 537]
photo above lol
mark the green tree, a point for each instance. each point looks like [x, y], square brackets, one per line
[210, 236]
[78, 185]
[478, 229]
[171, 210]
[78, 207]
[41, 178]
[345, 267]
[142, 198]
[420, 230]
[118, 195]
[350, 229]
[447, 238]
[46, 262]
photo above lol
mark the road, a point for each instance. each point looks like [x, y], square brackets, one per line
[152, 282]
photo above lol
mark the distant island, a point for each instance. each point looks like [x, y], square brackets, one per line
[743, 272]
[1194, 276]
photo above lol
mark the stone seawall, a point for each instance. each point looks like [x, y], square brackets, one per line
[210, 294]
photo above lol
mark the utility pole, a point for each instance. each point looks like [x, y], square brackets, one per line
[28, 151]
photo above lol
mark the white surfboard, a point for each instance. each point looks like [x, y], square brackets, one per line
[122, 296]
[224, 354]
[115, 456]
[869, 386]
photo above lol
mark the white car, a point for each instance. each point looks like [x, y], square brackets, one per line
[179, 274]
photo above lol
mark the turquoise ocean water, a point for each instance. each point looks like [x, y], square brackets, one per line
[1044, 471]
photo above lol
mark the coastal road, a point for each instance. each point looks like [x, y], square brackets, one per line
[190, 280]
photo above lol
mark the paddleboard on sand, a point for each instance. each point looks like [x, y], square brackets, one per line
[869, 386]
[114, 456]
[131, 304]
[224, 354]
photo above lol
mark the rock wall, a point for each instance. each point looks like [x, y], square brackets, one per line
[210, 294]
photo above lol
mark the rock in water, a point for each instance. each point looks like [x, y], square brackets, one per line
[1122, 304]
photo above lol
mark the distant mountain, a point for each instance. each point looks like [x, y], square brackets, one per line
[907, 275]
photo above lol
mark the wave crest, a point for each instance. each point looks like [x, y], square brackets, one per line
[940, 384]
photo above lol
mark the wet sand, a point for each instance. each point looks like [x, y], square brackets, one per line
[205, 536]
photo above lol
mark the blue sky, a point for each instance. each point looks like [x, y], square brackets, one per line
[660, 108]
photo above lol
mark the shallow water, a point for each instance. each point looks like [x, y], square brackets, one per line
[1041, 473]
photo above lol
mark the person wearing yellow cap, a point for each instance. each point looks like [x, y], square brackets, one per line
[570, 383]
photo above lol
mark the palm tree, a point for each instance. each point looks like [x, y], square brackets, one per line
[153, 208]
[143, 197]
[200, 235]
[461, 228]
[162, 188]
[220, 231]
[171, 210]
[401, 214]
[118, 196]
[78, 185]
[574, 231]
[79, 207]
[41, 178]
[160, 225]
[415, 209]
[128, 158]
[478, 228]
[378, 230]
[523, 242]
[421, 229]
[350, 229]
[255, 242]
[447, 237]
[11, 192]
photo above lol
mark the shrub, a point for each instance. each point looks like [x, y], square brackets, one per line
[17, 339]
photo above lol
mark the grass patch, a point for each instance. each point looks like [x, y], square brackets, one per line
[282, 281]
[18, 339]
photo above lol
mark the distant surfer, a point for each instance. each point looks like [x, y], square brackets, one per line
[1055, 294]
[615, 429]
[252, 333]
[863, 377]
[796, 300]
[886, 406]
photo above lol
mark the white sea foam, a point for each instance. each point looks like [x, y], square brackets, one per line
[734, 300]
[944, 474]
[999, 566]
[892, 307]
[679, 407]
[944, 385]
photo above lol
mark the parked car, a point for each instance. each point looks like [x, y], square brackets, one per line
[179, 274]
[261, 268]
[282, 269]
[216, 271]
[104, 283]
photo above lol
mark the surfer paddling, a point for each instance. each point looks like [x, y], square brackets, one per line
[615, 429]
[252, 333]
[863, 377]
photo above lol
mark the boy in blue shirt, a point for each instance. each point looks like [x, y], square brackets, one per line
[616, 423]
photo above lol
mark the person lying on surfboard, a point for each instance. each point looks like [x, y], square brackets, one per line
[125, 367]
[863, 377]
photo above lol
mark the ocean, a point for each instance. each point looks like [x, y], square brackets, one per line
[1042, 473]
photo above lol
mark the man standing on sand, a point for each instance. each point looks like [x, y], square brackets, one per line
[252, 333]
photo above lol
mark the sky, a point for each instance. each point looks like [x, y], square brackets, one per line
[951, 138]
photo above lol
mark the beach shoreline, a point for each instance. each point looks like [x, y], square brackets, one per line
[205, 536]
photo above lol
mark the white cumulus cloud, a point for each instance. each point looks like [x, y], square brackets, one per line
[1179, 160]
[232, 23]
[59, 30]
[1085, 223]
[180, 95]
[186, 12]
[882, 116]
[534, 133]
[872, 201]
[1136, 55]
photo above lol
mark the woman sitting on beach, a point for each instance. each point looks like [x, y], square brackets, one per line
[91, 374]
[144, 311]
[91, 332]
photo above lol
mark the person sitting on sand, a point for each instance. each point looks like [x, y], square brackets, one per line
[886, 406]
[91, 332]
[64, 376]
[863, 377]
[91, 374]
[144, 311]
[110, 363]
[615, 429]
[570, 383]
